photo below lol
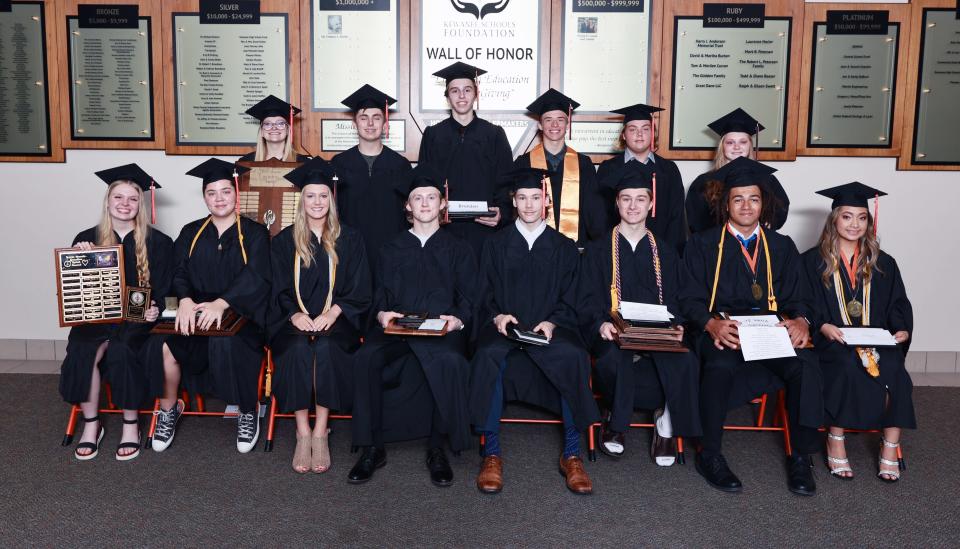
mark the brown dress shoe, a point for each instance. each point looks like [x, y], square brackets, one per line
[490, 478]
[578, 481]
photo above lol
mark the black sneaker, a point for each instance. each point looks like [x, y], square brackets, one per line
[715, 471]
[166, 426]
[248, 431]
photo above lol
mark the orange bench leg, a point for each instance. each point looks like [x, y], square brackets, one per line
[71, 425]
[271, 420]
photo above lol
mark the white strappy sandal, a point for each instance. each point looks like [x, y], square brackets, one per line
[842, 464]
[887, 475]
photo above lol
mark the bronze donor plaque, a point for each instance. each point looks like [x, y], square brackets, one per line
[136, 303]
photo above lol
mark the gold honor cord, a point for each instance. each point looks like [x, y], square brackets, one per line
[332, 276]
[615, 268]
[569, 191]
[771, 299]
[868, 355]
[196, 237]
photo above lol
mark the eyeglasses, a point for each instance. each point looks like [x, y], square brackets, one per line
[281, 125]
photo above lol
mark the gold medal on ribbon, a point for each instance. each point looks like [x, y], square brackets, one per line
[854, 308]
[757, 291]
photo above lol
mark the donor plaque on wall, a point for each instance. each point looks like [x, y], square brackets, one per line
[854, 78]
[731, 56]
[224, 63]
[24, 114]
[111, 74]
[938, 90]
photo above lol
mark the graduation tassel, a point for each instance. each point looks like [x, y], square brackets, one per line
[876, 213]
[653, 134]
[236, 188]
[153, 203]
[543, 193]
[336, 180]
[653, 208]
[569, 121]
[386, 115]
[756, 147]
[291, 123]
[476, 77]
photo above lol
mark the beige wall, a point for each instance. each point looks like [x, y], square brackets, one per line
[915, 226]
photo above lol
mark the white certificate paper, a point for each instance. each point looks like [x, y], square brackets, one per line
[644, 312]
[756, 320]
[435, 324]
[765, 342]
[868, 337]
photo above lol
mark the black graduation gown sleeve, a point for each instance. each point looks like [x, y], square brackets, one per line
[249, 292]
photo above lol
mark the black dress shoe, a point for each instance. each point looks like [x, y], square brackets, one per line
[370, 460]
[715, 471]
[440, 472]
[800, 475]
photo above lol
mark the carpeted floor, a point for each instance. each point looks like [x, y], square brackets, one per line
[201, 492]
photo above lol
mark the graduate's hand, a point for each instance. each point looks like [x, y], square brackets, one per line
[501, 321]
[85, 246]
[723, 333]
[302, 322]
[490, 221]
[186, 321]
[608, 332]
[210, 312]
[901, 336]
[832, 333]
[152, 313]
[384, 317]
[453, 323]
[799, 331]
[546, 328]
[679, 336]
[326, 320]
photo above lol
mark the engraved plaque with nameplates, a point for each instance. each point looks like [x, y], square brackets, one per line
[266, 196]
[90, 285]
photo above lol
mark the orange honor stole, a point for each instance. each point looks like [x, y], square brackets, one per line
[569, 192]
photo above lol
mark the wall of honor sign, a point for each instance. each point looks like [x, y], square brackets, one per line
[501, 37]
[341, 134]
[719, 68]
[353, 30]
[222, 70]
[90, 285]
[854, 77]
[24, 119]
[111, 80]
[604, 29]
[938, 90]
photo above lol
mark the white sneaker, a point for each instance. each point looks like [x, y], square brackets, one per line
[248, 431]
[166, 426]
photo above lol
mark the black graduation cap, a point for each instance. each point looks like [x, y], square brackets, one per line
[853, 194]
[632, 175]
[272, 106]
[552, 100]
[129, 172]
[737, 120]
[743, 172]
[459, 70]
[526, 178]
[368, 97]
[215, 169]
[315, 171]
[637, 112]
[425, 175]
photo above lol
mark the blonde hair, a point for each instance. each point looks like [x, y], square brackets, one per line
[107, 237]
[829, 245]
[301, 233]
[288, 153]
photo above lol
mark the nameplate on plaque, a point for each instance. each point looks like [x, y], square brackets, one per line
[857, 22]
[108, 16]
[733, 15]
[232, 12]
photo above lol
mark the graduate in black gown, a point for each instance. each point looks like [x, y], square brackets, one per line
[529, 273]
[736, 129]
[760, 271]
[471, 153]
[423, 270]
[275, 134]
[373, 178]
[638, 140]
[315, 321]
[855, 283]
[576, 207]
[110, 351]
[647, 272]
[222, 262]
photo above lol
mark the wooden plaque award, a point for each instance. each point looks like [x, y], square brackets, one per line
[266, 196]
[90, 285]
